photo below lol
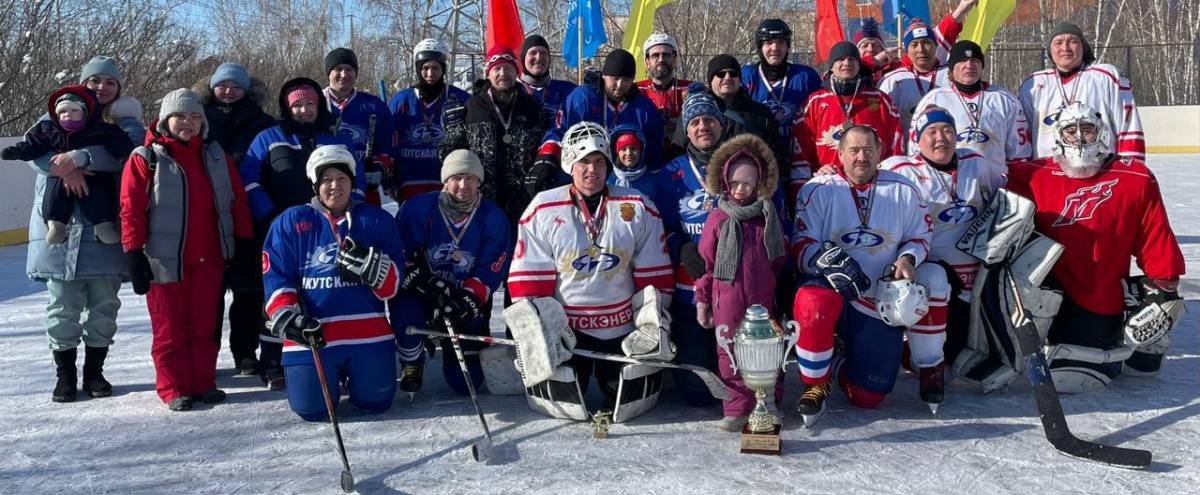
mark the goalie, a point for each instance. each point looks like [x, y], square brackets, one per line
[1103, 209]
[590, 269]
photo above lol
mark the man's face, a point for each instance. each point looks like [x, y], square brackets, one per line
[333, 189]
[431, 72]
[616, 86]
[228, 92]
[968, 71]
[1067, 52]
[937, 142]
[775, 51]
[704, 131]
[589, 173]
[660, 62]
[537, 61]
[342, 78]
[921, 51]
[846, 68]
[859, 154]
[869, 47]
[1076, 135]
[464, 187]
[502, 76]
[726, 83]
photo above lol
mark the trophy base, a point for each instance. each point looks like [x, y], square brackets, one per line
[766, 443]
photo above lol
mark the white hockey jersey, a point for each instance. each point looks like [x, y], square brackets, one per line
[955, 200]
[595, 280]
[990, 122]
[1043, 94]
[831, 209]
[906, 88]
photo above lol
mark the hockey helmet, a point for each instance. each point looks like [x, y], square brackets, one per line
[581, 140]
[429, 49]
[1073, 145]
[901, 302]
[330, 155]
[772, 29]
[658, 39]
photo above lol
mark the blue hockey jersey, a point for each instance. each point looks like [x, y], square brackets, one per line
[552, 96]
[274, 175]
[419, 131]
[786, 97]
[484, 250]
[299, 268]
[587, 103]
[354, 116]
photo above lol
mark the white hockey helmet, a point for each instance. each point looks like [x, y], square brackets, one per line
[581, 140]
[1071, 143]
[901, 302]
[658, 39]
[429, 49]
[330, 155]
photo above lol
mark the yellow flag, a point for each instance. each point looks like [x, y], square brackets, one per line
[985, 19]
[640, 26]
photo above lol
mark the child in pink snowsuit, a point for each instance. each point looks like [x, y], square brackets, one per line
[744, 250]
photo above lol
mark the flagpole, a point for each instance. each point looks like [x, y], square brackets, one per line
[579, 53]
[899, 34]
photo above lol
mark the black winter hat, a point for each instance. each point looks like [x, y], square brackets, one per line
[1069, 28]
[720, 63]
[619, 63]
[532, 41]
[964, 50]
[840, 50]
[340, 56]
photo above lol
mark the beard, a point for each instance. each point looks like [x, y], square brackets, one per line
[662, 72]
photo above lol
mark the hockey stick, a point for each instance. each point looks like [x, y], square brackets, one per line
[714, 384]
[347, 478]
[1054, 422]
[482, 449]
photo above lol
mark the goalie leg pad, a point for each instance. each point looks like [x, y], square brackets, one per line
[1077, 369]
[1000, 230]
[651, 337]
[500, 372]
[543, 339]
[637, 392]
[1147, 360]
[559, 397]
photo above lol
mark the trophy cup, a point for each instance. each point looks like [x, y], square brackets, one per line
[762, 347]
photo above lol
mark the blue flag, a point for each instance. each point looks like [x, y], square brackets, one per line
[907, 9]
[593, 31]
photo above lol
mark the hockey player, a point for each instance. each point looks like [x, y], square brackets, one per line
[956, 185]
[535, 76]
[882, 61]
[855, 230]
[846, 98]
[363, 117]
[611, 101]
[459, 247]
[1077, 77]
[662, 87]
[774, 81]
[921, 71]
[419, 122]
[990, 120]
[329, 267]
[1104, 209]
[597, 253]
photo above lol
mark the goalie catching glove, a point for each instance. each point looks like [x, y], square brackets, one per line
[1158, 308]
[651, 337]
[840, 270]
[289, 323]
[363, 264]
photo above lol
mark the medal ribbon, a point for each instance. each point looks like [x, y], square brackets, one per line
[771, 89]
[864, 208]
[432, 114]
[504, 121]
[455, 237]
[593, 224]
[975, 116]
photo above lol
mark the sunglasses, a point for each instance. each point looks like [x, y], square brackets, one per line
[727, 73]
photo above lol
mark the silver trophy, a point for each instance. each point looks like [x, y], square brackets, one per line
[762, 348]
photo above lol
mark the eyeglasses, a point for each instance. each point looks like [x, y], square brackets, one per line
[188, 117]
[727, 73]
[661, 55]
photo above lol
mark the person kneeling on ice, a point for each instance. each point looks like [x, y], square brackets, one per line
[590, 269]
[458, 246]
[744, 250]
[328, 268]
[853, 226]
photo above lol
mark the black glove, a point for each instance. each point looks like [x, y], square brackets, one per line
[287, 323]
[462, 305]
[139, 271]
[840, 270]
[689, 256]
[421, 282]
[541, 175]
[362, 264]
[10, 153]
[591, 75]
[454, 114]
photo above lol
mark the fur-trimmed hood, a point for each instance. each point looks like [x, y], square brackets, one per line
[258, 92]
[716, 169]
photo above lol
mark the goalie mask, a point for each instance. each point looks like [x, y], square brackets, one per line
[1082, 140]
[901, 303]
[581, 140]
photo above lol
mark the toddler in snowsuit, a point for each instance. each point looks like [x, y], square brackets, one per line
[74, 124]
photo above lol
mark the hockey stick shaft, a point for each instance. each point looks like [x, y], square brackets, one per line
[347, 478]
[478, 452]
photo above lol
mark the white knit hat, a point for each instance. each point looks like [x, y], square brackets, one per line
[181, 101]
[461, 162]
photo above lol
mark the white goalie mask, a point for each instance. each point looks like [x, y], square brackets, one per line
[901, 303]
[581, 140]
[1083, 149]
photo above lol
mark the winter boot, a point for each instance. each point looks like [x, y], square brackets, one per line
[933, 385]
[181, 403]
[67, 387]
[273, 378]
[732, 423]
[93, 372]
[107, 233]
[56, 232]
[210, 396]
[411, 378]
[247, 366]
[812, 403]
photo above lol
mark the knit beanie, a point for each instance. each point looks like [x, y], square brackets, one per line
[699, 103]
[917, 29]
[302, 92]
[841, 50]
[1069, 28]
[181, 101]
[628, 139]
[868, 31]
[932, 115]
[720, 63]
[531, 41]
[100, 65]
[232, 72]
[71, 100]
[619, 63]
[340, 56]
[462, 162]
[498, 55]
[963, 50]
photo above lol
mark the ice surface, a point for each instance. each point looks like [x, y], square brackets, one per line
[252, 444]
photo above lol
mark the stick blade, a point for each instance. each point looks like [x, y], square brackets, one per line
[481, 451]
[347, 482]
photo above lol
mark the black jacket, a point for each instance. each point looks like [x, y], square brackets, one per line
[743, 115]
[236, 124]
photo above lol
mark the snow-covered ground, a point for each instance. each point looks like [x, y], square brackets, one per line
[252, 443]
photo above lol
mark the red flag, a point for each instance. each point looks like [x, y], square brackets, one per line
[504, 25]
[828, 31]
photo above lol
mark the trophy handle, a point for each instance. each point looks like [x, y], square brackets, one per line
[725, 343]
[790, 338]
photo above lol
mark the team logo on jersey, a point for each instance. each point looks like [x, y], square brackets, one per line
[958, 213]
[303, 226]
[1051, 118]
[499, 264]
[519, 251]
[420, 134]
[444, 255]
[873, 104]
[356, 133]
[627, 212]
[861, 237]
[321, 260]
[973, 135]
[831, 137]
[598, 262]
[1081, 204]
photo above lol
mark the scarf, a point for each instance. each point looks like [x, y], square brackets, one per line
[429, 92]
[969, 89]
[844, 88]
[626, 176]
[699, 156]
[729, 240]
[536, 81]
[774, 72]
[454, 208]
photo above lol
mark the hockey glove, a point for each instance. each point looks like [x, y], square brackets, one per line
[140, 274]
[378, 169]
[840, 270]
[541, 175]
[1159, 310]
[10, 153]
[364, 264]
[462, 305]
[454, 114]
[289, 323]
[421, 282]
[689, 256]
